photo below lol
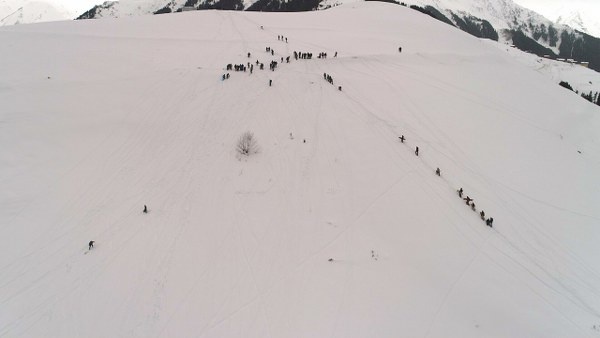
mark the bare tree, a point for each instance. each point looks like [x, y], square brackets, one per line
[246, 144]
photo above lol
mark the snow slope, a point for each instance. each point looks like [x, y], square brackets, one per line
[101, 117]
[580, 78]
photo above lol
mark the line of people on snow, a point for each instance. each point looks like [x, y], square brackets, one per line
[301, 55]
[323, 55]
[91, 243]
[238, 68]
[402, 139]
[281, 38]
[470, 202]
[329, 79]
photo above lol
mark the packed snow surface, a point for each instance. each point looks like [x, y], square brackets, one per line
[334, 228]
[582, 79]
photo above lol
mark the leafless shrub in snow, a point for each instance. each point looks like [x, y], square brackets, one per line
[246, 144]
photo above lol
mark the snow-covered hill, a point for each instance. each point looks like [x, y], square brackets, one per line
[27, 11]
[583, 80]
[134, 112]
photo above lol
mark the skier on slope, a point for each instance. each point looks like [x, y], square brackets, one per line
[145, 209]
[438, 172]
[90, 245]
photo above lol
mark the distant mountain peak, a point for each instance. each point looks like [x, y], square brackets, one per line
[573, 20]
[578, 16]
[13, 13]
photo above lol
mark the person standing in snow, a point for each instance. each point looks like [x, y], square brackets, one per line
[460, 192]
[417, 151]
[270, 83]
[145, 209]
[90, 245]
[437, 172]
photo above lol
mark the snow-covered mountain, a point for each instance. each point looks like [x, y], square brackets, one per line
[573, 20]
[502, 14]
[27, 11]
[520, 26]
[578, 14]
[127, 8]
[584, 21]
[334, 228]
